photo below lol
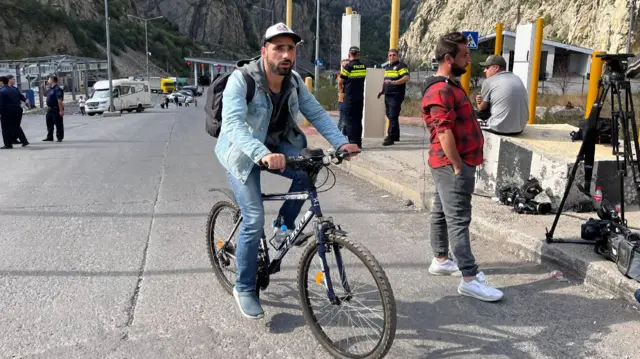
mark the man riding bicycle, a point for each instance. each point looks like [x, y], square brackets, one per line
[264, 132]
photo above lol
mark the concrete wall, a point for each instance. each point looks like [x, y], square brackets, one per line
[579, 63]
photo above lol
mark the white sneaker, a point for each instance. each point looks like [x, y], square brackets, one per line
[479, 288]
[447, 267]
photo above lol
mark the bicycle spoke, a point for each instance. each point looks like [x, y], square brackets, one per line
[354, 325]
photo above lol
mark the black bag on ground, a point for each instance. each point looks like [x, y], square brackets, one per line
[213, 108]
[625, 251]
[603, 127]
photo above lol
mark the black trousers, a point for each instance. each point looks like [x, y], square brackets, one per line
[11, 125]
[19, 134]
[392, 103]
[352, 113]
[54, 118]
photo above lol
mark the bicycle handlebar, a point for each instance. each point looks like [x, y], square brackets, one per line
[313, 157]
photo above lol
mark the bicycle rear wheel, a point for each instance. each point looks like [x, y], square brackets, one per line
[222, 240]
[353, 299]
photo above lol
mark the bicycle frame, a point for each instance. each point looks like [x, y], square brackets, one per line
[314, 210]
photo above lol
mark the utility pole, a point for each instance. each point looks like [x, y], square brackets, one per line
[106, 20]
[146, 37]
[632, 12]
[317, 72]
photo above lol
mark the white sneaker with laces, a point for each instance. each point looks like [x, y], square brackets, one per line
[479, 288]
[447, 267]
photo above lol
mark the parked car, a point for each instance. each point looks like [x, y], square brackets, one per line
[182, 97]
[193, 89]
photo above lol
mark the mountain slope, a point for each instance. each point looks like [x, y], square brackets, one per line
[232, 29]
[594, 24]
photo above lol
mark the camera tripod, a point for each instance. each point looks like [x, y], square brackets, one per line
[614, 82]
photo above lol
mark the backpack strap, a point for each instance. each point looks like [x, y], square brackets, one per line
[251, 84]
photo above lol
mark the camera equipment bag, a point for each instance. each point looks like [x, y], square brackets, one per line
[604, 127]
[625, 251]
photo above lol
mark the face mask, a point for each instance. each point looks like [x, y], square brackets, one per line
[457, 70]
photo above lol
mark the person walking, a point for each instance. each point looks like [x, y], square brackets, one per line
[18, 132]
[10, 112]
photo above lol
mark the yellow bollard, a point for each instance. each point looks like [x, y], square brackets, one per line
[535, 72]
[465, 79]
[594, 77]
[289, 13]
[498, 47]
[395, 24]
[308, 81]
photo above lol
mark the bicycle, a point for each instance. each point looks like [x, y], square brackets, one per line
[329, 238]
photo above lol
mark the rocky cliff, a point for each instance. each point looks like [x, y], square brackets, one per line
[239, 24]
[230, 28]
[598, 24]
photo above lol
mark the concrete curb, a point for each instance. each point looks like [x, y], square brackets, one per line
[523, 245]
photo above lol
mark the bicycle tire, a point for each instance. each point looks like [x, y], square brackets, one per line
[211, 245]
[382, 283]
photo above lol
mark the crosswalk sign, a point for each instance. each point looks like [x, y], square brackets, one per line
[472, 39]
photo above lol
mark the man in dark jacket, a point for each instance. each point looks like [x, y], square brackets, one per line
[18, 128]
[10, 112]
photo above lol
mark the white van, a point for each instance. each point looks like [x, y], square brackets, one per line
[128, 95]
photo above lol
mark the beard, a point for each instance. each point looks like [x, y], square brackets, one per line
[276, 69]
[458, 70]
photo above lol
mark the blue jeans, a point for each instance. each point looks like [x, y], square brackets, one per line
[249, 200]
[341, 125]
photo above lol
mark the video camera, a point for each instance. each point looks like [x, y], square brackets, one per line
[521, 199]
[614, 241]
[617, 66]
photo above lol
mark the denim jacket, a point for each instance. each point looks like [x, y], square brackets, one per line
[240, 145]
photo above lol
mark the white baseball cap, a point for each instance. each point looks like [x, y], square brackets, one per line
[280, 29]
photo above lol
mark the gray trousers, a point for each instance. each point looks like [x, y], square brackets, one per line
[451, 215]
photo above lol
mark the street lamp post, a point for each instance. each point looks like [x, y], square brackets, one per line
[106, 19]
[146, 37]
[263, 9]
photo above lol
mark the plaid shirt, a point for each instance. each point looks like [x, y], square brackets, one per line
[446, 106]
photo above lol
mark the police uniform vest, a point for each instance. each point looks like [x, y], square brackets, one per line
[394, 72]
[354, 74]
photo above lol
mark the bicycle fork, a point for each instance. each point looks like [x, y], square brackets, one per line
[321, 235]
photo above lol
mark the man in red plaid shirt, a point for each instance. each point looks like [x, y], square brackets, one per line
[456, 148]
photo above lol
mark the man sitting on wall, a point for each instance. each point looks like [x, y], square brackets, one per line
[504, 94]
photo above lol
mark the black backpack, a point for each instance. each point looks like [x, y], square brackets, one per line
[213, 108]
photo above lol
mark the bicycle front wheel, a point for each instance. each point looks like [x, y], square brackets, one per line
[358, 316]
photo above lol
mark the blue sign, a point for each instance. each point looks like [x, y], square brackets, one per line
[472, 39]
[319, 62]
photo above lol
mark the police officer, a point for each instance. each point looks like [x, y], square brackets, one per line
[55, 113]
[10, 112]
[396, 75]
[352, 78]
[18, 129]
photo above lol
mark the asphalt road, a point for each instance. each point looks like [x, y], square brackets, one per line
[102, 255]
